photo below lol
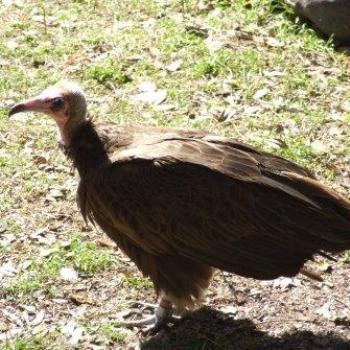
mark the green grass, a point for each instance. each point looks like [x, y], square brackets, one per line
[83, 255]
[37, 342]
[230, 52]
[239, 65]
[24, 285]
[110, 333]
[138, 282]
[80, 254]
[108, 72]
[111, 330]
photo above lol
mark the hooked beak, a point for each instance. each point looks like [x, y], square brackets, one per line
[33, 105]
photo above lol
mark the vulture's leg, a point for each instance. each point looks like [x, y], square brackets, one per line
[163, 314]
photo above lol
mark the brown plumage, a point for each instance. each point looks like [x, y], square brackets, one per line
[180, 203]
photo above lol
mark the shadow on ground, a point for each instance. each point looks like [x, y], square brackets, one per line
[300, 21]
[208, 329]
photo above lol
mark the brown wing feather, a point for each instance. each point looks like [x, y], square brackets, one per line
[116, 137]
[139, 136]
[267, 160]
[220, 203]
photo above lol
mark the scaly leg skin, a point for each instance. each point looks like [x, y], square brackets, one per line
[154, 323]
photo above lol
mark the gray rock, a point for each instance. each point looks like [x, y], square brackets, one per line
[330, 17]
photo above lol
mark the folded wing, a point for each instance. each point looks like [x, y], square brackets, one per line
[222, 203]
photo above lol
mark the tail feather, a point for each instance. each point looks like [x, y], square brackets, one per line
[327, 212]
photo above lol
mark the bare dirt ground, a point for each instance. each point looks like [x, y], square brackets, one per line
[282, 314]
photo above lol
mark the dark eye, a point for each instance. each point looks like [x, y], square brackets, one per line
[57, 103]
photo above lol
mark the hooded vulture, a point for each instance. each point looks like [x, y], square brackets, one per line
[181, 203]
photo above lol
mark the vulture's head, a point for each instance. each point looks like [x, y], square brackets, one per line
[64, 102]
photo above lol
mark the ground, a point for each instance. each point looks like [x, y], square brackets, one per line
[245, 69]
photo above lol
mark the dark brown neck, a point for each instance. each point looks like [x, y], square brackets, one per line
[86, 149]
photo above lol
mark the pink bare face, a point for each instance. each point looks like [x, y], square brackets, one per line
[64, 102]
[52, 102]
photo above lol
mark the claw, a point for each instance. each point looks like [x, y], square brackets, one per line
[153, 324]
[138, 323]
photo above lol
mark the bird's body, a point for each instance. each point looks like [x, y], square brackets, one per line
[181, 203]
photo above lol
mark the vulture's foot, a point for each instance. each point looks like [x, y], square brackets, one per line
[153, 324]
